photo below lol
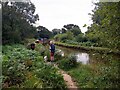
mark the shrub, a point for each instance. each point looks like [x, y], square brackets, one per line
[58, 55]
[16, 61]
[50, 77]
[32, 82]
[47, 53]
[68, 63]
[19, 61]
[14, 71]
[72, 60]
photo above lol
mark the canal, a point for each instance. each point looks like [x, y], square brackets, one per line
[88, 58]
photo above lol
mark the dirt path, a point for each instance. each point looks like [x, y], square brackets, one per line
[69, 82]
[67, 78]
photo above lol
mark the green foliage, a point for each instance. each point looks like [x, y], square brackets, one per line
[14, 63]
[104, 73]
[82, 75]
[47, 53]
[105, 27]
[93, 49]
[26, 68]
[97, 77]
[72, 28]
[58, 55]
[81, 38]
[68, 32]
[17, 20]
[60, 37]
[43, 32]
[32, 82]
[72, 60]
[64, 37]
[56, 31]
[50, 77]
[104, 32]
[67, 63]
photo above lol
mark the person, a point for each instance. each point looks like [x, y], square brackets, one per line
[52, 50]
[32, 45]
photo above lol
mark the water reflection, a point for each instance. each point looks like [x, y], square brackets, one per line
[82, 57]
[87, 58]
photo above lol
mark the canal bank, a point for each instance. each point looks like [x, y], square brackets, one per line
[93, 49]
[93, 70]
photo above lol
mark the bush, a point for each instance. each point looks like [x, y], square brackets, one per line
[58, 55]
[32, 82]
[50, 77]
[16, 61]
[64, 37]
[26, 68]
[68, 63]
[81, 38]
[72, 60]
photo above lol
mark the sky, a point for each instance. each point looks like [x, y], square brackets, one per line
[57, 13]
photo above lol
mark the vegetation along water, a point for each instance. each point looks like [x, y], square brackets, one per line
[92, 58]
[91, 70]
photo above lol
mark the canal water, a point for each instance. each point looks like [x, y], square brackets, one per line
[85, 57]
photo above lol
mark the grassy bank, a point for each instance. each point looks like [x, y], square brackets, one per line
[24, 68]
[99, 75]
[95, 49]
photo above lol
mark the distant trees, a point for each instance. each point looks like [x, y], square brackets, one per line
[105, 30]
[59, 31]
[43, 32]
[17, 20]
[64, 37]
[56, 31]
[68, 32]
[81, 38]
[73, 28]
[68, 28]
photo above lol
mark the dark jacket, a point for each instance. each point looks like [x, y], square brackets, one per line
[52, 48]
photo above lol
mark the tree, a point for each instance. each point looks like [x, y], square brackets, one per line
[17, 21]
[44, 32]
[81, 38]
[63, 30]
[106, 24]
[73, 28]
[56, 31]
[63, 37]
[27, 9]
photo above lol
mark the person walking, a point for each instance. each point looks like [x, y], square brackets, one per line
[52, 50]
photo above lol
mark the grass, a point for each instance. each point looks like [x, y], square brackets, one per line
[102, 77]
[105, 74]
[101, 72]
[94, 76]
[82, 76]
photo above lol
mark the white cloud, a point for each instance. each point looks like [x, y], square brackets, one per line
[56, 13]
